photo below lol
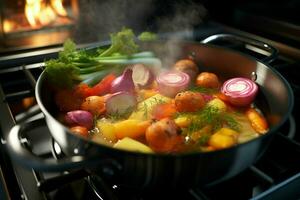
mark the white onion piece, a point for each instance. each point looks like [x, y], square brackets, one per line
[120, 103]
[123, 82]
[142, 75]
[240, 91]
[172, 82]
[79, 117]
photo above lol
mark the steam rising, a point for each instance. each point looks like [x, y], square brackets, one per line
[99, 18]
[184, 16]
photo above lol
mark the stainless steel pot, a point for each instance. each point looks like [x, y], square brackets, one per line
[156, 170]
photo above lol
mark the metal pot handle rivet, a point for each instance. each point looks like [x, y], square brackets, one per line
[253, 76]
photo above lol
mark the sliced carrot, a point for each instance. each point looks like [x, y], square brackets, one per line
[163, 111]
[101, 88]
[258, 122]
[104, 86]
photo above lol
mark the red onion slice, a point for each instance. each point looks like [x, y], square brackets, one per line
[239, 91]
[172, 82]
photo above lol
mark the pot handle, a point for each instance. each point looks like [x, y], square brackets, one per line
[16, 147]
[251, 44]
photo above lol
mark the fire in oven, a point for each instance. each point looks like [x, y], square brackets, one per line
[35, 15]
[26, 23]
[49, 151]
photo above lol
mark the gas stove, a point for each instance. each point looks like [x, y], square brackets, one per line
[274, 176]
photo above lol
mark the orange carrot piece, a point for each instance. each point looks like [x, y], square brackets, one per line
[94, 104]
[258, 122]
[163, 111]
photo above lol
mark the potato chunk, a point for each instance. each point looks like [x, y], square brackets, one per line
[132, 145]
[223, 138]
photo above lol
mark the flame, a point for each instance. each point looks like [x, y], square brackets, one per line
[57, 5]
[40, 13]
[47, 16]
[8, 25]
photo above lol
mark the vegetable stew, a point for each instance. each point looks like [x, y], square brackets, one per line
[127, 103]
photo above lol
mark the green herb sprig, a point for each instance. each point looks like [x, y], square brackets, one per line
[209, 116]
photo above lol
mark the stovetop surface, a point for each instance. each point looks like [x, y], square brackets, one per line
[274, 176]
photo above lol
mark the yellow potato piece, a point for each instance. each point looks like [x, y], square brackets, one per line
[148, 93]
[107, 129]
[223, 138]
[183, 121]
[130, 128]
[132, 145]
[144, 108]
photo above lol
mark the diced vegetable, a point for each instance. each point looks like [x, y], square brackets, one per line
[163, 136]
[142, 76]
[207, 80]
[131, 128]
[189, 101]
[239, 91]
[123, 83]
[107, 129]
[80, 130]
[94, 104]
[183, 121]
[101, 88]
[120, 103]
[223, 138]
[80, 117]
[172, 82]
[144, 108]
[132, 145]
[218, 104]
[147, 93]
[258, 122]
[187, 66]
[164, 110]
